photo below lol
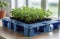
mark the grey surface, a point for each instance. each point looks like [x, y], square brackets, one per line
[2, 37]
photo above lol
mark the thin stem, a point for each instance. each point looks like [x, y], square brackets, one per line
[1, 8]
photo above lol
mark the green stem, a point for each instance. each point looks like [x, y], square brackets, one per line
[1, 8]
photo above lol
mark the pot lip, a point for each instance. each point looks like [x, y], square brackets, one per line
[2, 10]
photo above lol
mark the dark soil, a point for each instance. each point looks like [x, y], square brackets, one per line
[18, 19]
